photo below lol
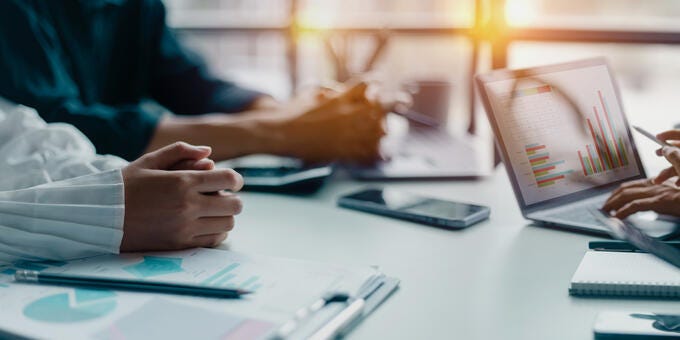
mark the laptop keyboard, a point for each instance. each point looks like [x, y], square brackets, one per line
[576, 215]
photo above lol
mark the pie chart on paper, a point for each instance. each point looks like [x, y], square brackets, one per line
[73, 306]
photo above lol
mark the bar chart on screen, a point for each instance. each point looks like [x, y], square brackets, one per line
[607, 151]
[545, 170]
[564, 132]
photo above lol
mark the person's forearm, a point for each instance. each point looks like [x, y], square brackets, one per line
[229, 135]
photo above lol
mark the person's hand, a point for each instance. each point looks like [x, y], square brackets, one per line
[180, 208]
[334, 126]
[644, 195]
[264, 102]
[201, 162]
[317, 127]
[672, 154]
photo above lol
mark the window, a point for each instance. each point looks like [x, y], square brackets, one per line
[278, 46]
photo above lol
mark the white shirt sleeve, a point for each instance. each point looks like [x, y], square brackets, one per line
[59, 200]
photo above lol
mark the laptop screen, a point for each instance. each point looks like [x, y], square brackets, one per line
[562, 129]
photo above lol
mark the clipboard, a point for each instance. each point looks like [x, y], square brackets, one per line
[285, 286]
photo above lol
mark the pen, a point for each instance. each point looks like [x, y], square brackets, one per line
[331, 329]
[623, 246]
[31, 276]
[303, 314]
[343, 317]
[651, 136]
[417, 117]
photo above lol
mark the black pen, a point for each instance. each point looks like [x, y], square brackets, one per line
[31, 276]
[623, 246]
[417, 117]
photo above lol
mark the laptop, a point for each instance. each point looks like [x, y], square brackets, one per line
[565, 142]
[429, 153]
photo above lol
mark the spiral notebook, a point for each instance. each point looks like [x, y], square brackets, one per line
[631, 274]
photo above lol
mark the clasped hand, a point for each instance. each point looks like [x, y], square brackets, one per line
[175, 199]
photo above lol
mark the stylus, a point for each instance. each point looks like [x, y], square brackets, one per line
[622, 246]
[651, 136]
[417, 117]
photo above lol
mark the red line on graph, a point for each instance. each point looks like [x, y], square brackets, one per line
[590, 156]
[534, 160]
[544, 169]
[535, 148]
[606, 116]
[583, 166]
[597, 145]
[606, 145]
[550, 179]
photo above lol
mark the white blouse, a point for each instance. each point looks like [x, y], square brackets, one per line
[58, 199]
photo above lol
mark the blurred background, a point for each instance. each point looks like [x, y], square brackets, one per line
[282, 45]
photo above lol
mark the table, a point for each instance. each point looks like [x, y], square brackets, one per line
[501, 279]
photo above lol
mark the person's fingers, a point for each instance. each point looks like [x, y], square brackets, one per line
[216, 180]
[659, 151]
[356, 92]
[209, 241]
[214, 225]
[221, 204]
[645, 182]
[669, 135]
[323, 95]
[624, 197]
[191, 164]
[672, 154]
[329, 91]
[665, 174]
[167, 156]
[630, 208]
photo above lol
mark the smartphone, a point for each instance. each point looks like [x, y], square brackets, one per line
[651, 136]
[630, 326]
[419, 209]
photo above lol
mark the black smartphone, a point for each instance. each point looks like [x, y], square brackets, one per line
[410, 207]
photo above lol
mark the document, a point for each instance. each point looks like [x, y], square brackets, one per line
[280, 287]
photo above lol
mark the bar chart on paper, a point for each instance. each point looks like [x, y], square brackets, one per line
[226, 278]
[607, 150]
[545, 171]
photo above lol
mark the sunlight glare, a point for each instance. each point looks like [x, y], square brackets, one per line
[520, 12]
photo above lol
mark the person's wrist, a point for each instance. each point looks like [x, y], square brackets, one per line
[264, 102]
[272, 133]
[263, 134]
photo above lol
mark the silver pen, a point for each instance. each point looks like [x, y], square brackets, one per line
[338, 322]
[345, 318]
[302, 314]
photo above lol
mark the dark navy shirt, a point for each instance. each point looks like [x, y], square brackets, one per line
[97, 63]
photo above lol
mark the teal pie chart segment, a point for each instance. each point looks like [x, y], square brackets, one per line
[74, 306]
[154, 266]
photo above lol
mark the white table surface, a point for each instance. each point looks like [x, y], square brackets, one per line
[501, 279]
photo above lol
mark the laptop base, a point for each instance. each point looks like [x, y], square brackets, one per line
[429, 154]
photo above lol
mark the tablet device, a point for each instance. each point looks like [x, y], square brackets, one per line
[629, 233]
